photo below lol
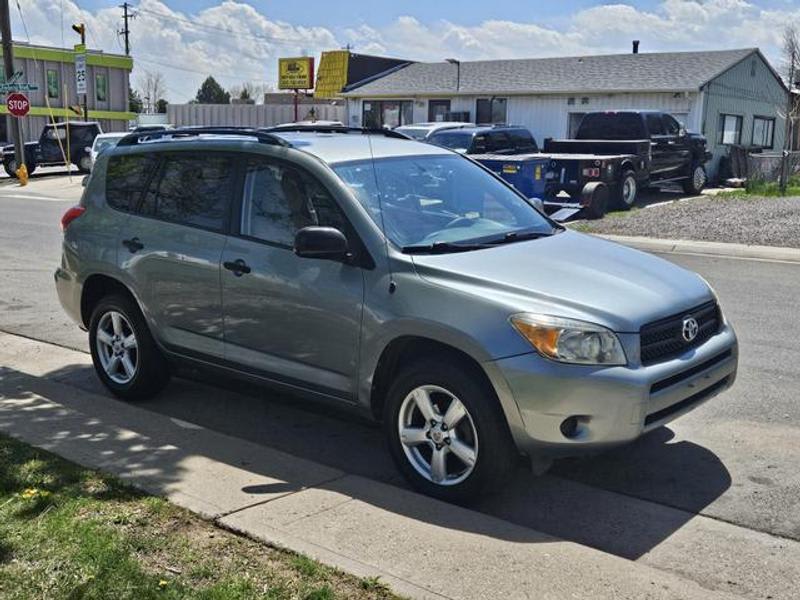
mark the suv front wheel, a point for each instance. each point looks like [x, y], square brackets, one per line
[446, 431]
[124, 353]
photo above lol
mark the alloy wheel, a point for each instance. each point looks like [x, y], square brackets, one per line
[629, 191]
[117, 347]
[699, 178]
[438, 435]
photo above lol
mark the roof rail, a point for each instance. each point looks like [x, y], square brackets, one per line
[335, 129]
[187, 132]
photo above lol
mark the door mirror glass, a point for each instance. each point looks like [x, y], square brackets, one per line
[320, 242]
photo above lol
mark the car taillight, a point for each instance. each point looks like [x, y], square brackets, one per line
[71, 214]
[591, 172]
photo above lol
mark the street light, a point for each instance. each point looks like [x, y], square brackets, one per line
[457, 63]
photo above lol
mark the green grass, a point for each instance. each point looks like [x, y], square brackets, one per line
[764, 189]
[72, 533]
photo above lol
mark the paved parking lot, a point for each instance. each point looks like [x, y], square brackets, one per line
[715, 497]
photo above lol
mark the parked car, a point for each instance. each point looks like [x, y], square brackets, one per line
[104, 141]
[47, 152]
[391, 277]
[422, 131]
[628, 150]
[497, 139]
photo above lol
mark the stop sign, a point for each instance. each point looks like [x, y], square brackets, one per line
[18, 104]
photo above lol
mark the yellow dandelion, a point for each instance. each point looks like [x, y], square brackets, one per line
[162, 583]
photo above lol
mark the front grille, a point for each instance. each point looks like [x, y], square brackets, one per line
[663, 339]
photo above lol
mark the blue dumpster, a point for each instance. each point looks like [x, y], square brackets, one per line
[526, 172]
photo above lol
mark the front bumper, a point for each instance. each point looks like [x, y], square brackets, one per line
[612, 405]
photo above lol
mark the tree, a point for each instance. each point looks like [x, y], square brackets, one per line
[151, 87]
[791, 59]
[134, 101]
[161, 106]
[211, 92]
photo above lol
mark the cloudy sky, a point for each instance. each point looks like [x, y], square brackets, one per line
[238, 41]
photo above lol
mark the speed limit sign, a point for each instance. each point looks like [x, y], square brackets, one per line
[18, 104]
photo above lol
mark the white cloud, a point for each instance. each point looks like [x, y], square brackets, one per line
[186, 47]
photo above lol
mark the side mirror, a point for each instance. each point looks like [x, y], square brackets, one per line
[682, 132]
[320, 242]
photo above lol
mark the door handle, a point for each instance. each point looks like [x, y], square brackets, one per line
[133, 244]
[239, 267]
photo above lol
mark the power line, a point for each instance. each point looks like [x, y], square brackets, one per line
[258, 36]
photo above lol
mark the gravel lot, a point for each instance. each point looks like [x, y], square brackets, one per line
[743, 220]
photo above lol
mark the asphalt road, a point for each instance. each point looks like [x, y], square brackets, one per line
[714, 497]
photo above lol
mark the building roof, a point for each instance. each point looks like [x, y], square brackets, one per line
[345, 147]
[645, 72]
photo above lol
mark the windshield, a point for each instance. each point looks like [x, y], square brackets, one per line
[454, 140]
[418, 133]
[426, 200]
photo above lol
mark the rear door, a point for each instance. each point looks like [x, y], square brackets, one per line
[171, 246]
[293, 320]
[680, 151]
[660, 147]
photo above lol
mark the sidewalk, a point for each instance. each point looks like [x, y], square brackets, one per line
[58, 186]
[419, 546]
[744, 251]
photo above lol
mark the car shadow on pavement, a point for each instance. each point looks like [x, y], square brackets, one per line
[625, 502]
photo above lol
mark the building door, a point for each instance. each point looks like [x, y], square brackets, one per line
[438, 110]
[387, 113]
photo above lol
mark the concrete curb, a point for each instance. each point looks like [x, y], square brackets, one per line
[721, 249]
[423, 548]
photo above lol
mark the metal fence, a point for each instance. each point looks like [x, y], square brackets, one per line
[767, 166]
[249, 115]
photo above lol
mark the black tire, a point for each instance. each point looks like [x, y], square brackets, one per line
[84, 163]
[31, 168]
[151, 373]
[497, 457]
[594, 198]
[696, 181]
[623, 198]
[10, 167]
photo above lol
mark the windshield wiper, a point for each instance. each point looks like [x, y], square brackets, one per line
[441, 248]
[521, 236]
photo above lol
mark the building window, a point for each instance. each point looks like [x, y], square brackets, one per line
[438, 110]
[52, 83]
[387, 113]
[491, 110]
[763, 132]
[730, 129]
[101, 87]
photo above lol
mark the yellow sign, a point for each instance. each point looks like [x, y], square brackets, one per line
[332, 73]
[296, 73]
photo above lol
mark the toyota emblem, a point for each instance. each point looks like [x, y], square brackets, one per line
[690, 328]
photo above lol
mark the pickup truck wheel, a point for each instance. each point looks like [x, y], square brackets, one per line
[594, 199]
[124, 354]
[446, 431]
[696, 181]
[626, 191]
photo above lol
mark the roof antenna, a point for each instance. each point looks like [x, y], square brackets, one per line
[392, 284]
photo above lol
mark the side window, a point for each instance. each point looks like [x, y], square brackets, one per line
[279, 200]
[480, 145]
[192, 190]
[523, 141]
[126, 179]
[671, 125]
[654, 124]
[499, 142]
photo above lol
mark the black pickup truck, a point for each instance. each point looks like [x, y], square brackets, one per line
[626, 151]
[53, 145]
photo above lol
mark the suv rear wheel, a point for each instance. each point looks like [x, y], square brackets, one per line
[124, 353]
[446, 431]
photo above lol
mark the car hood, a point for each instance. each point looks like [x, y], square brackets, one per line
[571, 275]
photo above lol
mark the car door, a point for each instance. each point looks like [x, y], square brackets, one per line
[290, 319]
[171, 246]
[659, 145]
[680, 155]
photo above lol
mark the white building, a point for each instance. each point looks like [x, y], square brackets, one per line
[731, 96]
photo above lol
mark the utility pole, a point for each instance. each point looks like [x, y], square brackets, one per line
[81, 30]
[126, 30]
[8, 60]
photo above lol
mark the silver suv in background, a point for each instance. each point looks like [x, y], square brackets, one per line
[423, 131]
[388, 276]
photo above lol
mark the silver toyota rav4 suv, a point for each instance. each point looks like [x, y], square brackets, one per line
[390, 276]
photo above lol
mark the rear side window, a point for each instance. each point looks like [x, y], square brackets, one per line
[523, 140]
[499, 142]
[126, 179]
[192, 190]
[654, 124]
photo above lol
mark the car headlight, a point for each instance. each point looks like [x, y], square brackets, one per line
[716, 299]
[570, 340]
